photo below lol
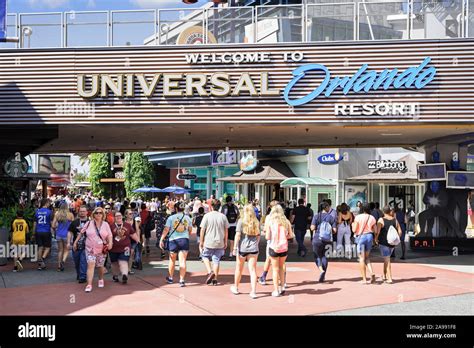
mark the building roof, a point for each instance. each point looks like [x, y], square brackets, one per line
[269, 172]
[408, 177]
[313, 181]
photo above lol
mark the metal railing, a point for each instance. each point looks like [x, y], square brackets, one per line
[339, 21]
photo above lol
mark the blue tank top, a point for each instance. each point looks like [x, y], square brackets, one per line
[61, 231]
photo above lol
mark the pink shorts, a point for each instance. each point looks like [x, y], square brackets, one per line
[98, 259]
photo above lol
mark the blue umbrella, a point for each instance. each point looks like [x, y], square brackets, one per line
[147, 189]
[175, 189]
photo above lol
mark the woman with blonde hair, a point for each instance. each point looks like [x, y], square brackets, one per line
[98, 243]
[60, 225]
[246, 246]
[278, 230]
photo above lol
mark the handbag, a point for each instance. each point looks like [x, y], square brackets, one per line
[81, 243]
[166, 241]
[105, 247]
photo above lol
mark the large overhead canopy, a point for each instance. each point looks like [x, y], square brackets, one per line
[382, 93]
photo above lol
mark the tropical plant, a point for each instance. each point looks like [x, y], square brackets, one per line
[99, 169]
[8, 194]
[138, 172]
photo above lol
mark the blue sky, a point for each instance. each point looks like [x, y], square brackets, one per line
[93, 5]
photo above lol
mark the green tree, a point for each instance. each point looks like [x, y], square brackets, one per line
[138, 172]
[99, 168]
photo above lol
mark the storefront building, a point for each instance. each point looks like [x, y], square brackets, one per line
[369, 74]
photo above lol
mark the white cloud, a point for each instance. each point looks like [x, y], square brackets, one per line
[48, 3]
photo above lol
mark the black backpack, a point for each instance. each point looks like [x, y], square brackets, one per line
[231, 214]
[150, 225]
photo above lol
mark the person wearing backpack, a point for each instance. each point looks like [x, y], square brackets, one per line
[278, 231]
[232, 213]
[324, 226]
[387, 240]
[364, 226]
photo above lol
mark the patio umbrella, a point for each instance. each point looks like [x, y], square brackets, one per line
[147, 189]
[175, 189]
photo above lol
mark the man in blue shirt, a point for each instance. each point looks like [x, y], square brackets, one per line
[42, 228]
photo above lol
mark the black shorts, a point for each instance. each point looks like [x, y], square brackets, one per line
[146, 233]
[246, 254]
[275, 254]
[43, 239]
[232, 232]
[115, 257]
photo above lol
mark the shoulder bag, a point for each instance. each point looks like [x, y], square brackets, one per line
[166, 241]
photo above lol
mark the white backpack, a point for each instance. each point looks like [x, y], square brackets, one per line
[392, 236]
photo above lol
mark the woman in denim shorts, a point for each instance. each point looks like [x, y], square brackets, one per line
[364, 228]
[386, 249]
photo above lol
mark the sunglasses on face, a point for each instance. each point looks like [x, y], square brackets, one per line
[98, 212]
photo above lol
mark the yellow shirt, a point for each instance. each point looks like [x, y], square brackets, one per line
[20, 229]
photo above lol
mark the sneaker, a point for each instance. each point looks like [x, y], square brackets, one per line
[15, 269]
[101, 283]
[19, 265]
[182, 283]
[262, 280]
[131, 272]
[253, 295]
[282, 290]
[210, 278]
[275, 294]
[115, 279]
[61, 266]
[234, 290]
[88, 288]
[214, 282]
[82, 281]
[124, 279]
[321, 277]
[169, 280]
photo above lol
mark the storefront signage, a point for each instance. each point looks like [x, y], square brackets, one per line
[223, 157]
[381, 109]
[186, 176]
[222, 84]
[361, 81]
[330, 158]
[387, 165]
[16, 167]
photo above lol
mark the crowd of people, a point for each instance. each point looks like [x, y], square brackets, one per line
[101, 232]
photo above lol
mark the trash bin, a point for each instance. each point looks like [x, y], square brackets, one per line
[3, 241]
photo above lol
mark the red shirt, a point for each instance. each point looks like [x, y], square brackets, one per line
[110, 219]
[120, 245]
[144, 216]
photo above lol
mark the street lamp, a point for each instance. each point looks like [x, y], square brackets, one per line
[27, 31]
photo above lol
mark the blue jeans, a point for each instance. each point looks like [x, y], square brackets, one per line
[319, 249]
[299, 234]
[80, 262]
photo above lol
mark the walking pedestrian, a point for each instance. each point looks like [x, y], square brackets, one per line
[364, 230]
[19, 231]
[344, 222]
[61, 222]
[98, 243]
[300, 218]
[278, 232]
[402, 221]
[122, 232]
[246, 247]
[179, 227]
[78, 251]
[324, 226]
[386, 249]
[42, 228]
[214, 236]
[232, 213]
[266, 267]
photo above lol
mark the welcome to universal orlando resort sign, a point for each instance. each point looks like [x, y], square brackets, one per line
[222, 84]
